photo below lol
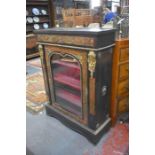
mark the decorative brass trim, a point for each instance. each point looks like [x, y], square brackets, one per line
[43, 62]
[91, 68]
[66, 39]
[91, 62]
[40, 48]
[79, 60]
[79, 57]
[77, 47]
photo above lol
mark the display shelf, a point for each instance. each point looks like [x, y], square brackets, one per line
[67, 88]
[67, 80]
[71, 98]
[67, 73]
[38, 23]
[69, 106]
[37, 15]
[40, 5]
[67, 64]
[30, 27]
[44, 17]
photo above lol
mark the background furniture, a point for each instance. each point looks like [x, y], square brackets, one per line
[77, 67]
[31, 47]
[120, 79]
[41, 20]
[76, 17]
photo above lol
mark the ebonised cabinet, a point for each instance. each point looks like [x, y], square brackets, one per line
[77, 67]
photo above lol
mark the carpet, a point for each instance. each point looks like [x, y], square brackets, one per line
[116, 142]
[35, 62]
[48, 136]
[31, 69]
[35, 92]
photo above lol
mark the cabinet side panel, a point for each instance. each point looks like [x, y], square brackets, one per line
[103, 84]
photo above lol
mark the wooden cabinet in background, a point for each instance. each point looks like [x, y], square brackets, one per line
[120, 79]
[31, 48]
[39, 15]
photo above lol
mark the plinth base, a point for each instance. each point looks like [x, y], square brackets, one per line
[92, 135]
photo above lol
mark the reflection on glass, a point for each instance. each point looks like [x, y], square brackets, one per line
[67, 84]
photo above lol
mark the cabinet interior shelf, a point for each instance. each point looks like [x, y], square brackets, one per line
[67, 64]
[67, 80]
[69, 97]
[70, 107]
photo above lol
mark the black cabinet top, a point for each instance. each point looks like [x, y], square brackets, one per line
[75, 31]
[83, 37]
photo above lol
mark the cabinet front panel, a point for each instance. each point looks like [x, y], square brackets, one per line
[123, 71]
[123, 87]
[68, 81]
[124, 54]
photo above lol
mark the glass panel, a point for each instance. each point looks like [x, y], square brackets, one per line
[67, 83]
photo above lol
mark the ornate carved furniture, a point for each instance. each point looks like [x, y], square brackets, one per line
[77, 67]
[120, 79]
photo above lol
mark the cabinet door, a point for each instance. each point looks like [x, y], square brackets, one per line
[123, 104]
[124, 54]
[67, 72]
[123, 71]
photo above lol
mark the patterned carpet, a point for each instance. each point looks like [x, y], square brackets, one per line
[116, 142]
[35, 62]
[35, 90]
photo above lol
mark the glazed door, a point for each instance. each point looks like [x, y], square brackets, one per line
[66, 72]
[68, 76]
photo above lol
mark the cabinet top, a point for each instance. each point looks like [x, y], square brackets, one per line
[75, 31]
[83, 37]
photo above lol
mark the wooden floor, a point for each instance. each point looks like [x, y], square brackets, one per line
[47, 136]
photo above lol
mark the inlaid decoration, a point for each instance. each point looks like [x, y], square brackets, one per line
[70, 40]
